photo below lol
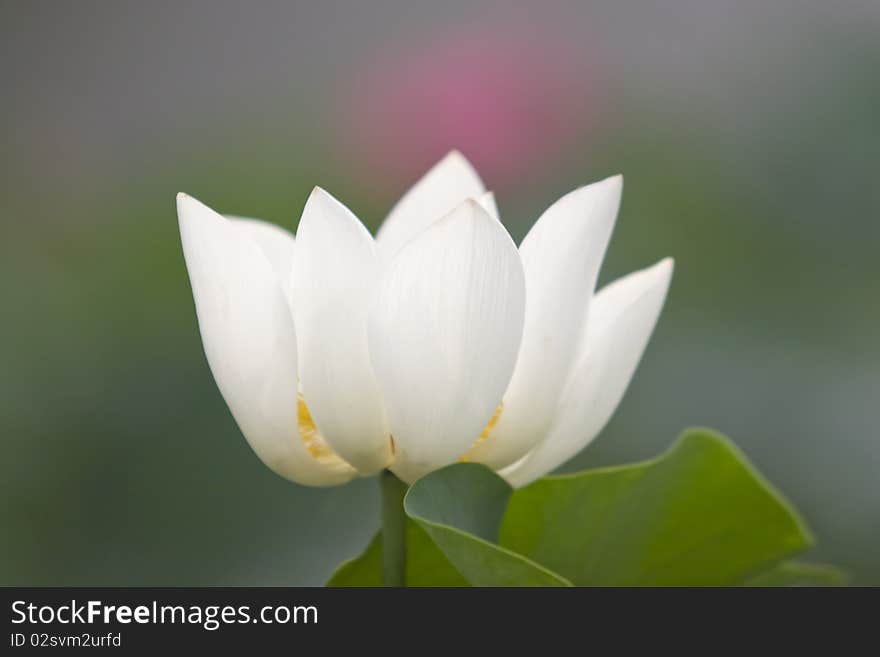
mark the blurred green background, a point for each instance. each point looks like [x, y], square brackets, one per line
[748, 136]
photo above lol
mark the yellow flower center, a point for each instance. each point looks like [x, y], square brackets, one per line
[316, 445]
[309, 434]
[485, 433]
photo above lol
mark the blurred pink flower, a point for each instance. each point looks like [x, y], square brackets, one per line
[512, 96]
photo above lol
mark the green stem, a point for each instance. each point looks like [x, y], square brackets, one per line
[393, 530]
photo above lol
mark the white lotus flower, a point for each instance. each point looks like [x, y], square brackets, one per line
[438, 341]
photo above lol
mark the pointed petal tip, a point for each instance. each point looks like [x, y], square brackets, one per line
[487, 201]
[184, 200]
[454, 154]
[664, 269]
[183, 197]
[663, 272]
[656, 277]
[470, 209]
[321, 198]
[456, 158]
[190, 204]
[318, 195]
[607, 191]
[321, 195]
[192, 211]
[613, 184]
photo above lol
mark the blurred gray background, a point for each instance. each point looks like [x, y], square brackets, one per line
[748, 135]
